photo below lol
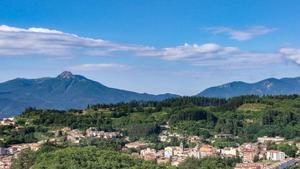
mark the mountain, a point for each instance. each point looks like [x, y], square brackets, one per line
[269, 86]
[65, 91]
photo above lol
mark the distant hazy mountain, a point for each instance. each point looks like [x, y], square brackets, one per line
[270, 86]
[63, 92]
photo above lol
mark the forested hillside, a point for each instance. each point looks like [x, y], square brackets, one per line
[244, 117]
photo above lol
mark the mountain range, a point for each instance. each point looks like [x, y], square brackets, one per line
[63, 92]
[67, 91]
[271, 86]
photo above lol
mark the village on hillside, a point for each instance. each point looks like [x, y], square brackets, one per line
[254, 155]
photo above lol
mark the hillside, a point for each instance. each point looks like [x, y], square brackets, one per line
[271, 86]
[62, 92]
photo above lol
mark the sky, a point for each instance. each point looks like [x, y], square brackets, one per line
[152, 46]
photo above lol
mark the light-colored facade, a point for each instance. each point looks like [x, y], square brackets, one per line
[248, 166]
[266, 139]
[229, 152]
[275, 155]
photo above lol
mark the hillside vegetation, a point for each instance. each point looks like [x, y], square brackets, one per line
[245, 117]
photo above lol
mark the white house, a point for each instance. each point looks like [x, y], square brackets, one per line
[275, 155]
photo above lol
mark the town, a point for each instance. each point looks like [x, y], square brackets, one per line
[254, 155]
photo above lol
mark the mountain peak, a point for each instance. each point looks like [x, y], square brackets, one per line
[270, 86]
[65, 75]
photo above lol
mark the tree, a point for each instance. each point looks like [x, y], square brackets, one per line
[25, 160]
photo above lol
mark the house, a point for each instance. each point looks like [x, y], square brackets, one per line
[249, 156]
[174, 151]
[8, 121]
[266, 139]
[177, 160]
[229, 152]
[164, 138]
[275, 155]
[160, 153]
[194, 139]
[17, 148]
[207, 150]
[5, 162]
[148, 154]
[66, 129]
[93, 132]
[248, 152]
[74, 136]
[169, 152]
[224, 136]
[163, 160]
[248, 166]
[135, 145]
[195, 153]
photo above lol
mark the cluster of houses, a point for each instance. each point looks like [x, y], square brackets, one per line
[277, 165]
[166, 136]
[250, 153]
[8, 154]
[253, 155]
[74, 136]
[7, 121]
[274, 159]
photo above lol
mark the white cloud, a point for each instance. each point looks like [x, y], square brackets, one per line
[100, 66]
[6, 28]
[242, 35]
[191, 51]
[292, 54]
[41, 41]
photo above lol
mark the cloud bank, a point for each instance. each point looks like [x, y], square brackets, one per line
[47, 42]
[242, 35]
[292, 54]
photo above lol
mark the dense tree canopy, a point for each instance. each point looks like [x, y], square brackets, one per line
[90, 158]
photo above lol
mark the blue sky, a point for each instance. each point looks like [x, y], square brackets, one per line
[151, 46]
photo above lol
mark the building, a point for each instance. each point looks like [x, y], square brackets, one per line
[66, 129]
[224, 136]
[93, 132]
[5, 162]
[229, 152]
[266, 139]
[249, 152]
[275, 155]
[195, 153]
[207, 150]
[248, 166]
[194, 139]
[160, 153]
[8, 121]
[174, 151]
[148, 154]
[249, 156]
[74, 136]
[135, 145]
[169, 152]
[17, 148]
[298, 145]
[163, 160]
[164, 138]
[177, 160]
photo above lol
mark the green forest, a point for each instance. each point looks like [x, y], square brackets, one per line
[244, 117]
